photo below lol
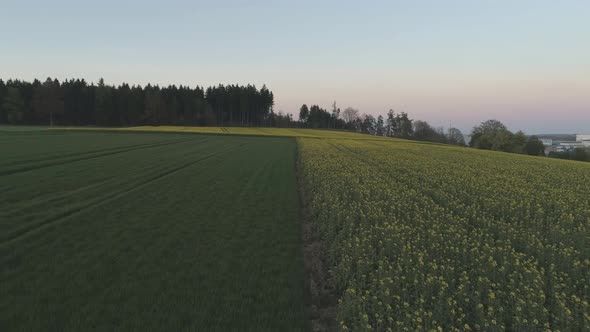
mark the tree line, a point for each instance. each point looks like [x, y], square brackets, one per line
[76, 102]
[391, 125]
[489, 135]
[493, 135]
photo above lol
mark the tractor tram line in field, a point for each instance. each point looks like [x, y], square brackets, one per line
[113, 195]
[96, 190]
[61, 160]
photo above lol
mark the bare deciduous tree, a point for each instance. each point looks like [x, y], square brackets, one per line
[455, 136]
[350, 114]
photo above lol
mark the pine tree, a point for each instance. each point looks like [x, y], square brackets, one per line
[380, 128]
[304, 114]
[14, 106]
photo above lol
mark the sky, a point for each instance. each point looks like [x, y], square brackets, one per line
[451, 63]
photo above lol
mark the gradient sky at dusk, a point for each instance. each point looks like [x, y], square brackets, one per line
[524, 62]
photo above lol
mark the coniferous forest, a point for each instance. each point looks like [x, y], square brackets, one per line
[76, 102]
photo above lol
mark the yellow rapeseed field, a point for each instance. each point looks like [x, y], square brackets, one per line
[428, 237]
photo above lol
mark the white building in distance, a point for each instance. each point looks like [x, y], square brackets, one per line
[585, 139]
[546, 141]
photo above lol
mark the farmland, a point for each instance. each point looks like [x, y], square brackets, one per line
[156, 227]
[148, 232]
[280, 132]
[430, 237]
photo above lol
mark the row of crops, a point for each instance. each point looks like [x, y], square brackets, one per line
[428, 237]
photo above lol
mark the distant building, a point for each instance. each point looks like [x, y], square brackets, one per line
[568, 146]
[546, 141]
[555, 145]
[585, 139]
[572, 144]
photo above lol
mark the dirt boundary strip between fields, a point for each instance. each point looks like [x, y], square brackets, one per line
[320, 296]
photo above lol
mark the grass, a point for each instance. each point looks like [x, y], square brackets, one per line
[153, 231]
